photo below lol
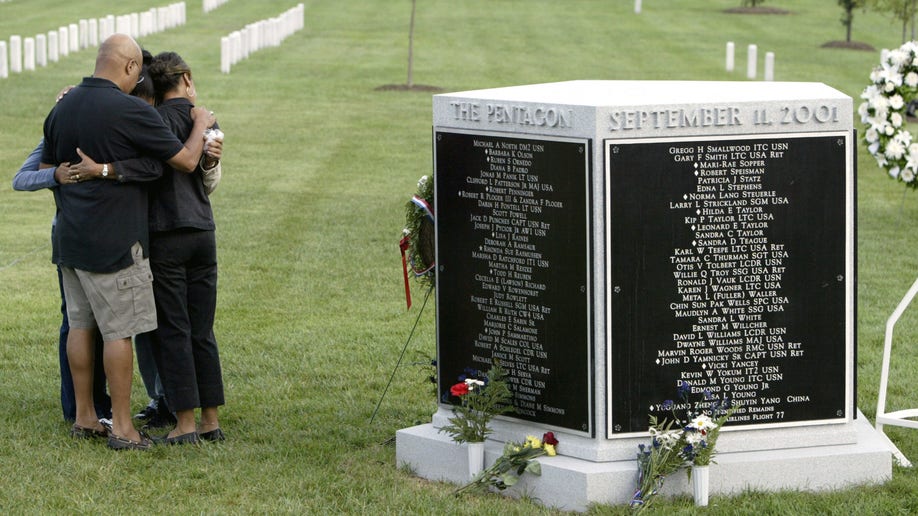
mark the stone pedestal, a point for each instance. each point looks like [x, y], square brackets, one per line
[609, 241]
[573, 484]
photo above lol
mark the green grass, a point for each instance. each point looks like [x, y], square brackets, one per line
[317, 169]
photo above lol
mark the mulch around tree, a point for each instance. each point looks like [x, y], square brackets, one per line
[405, 87]
[756, 10]
[850, 45]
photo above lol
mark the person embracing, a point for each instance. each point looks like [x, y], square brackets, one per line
[102, 236]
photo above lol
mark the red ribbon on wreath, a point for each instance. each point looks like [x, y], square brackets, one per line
[404, 244]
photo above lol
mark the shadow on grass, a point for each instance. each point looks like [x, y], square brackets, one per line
[408, 87]
[850, 45]
[756, 10]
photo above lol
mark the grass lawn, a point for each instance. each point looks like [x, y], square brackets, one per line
[317, 168]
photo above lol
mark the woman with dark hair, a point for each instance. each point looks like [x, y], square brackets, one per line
[183, 256]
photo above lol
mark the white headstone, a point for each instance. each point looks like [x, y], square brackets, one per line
[135, 24]
[41, 50]
[751, 65]
[28, 53]
[92, 39]
[143, 25]
[16, 54]
[53, 46]
[769, 66]
[123, 24]
[730, 56]
[162, 15]
[154, 21]
[637, 6]
[74, 37]
[104, 30]
[225, 54]
[84, 33]
[4, 69]
[236, 38]
[63, 41]
[108, 26]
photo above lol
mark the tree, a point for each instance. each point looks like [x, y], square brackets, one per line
[847, 20]
[410, 82]
[752, 3]
[902, 10]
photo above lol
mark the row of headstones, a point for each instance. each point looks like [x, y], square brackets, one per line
[255, 36]
[752, 61]
[751, 55]
[26, 54]
[210, 5]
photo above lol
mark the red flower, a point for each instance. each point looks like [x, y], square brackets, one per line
[549, 438]
[460, 389]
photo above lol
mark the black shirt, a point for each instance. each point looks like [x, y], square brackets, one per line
[178, 200]
[99, 221]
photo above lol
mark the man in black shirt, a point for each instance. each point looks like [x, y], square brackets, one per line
[101, 238]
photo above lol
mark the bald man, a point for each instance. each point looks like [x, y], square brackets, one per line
[101, 238]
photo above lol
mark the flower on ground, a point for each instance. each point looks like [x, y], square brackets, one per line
[518, 458]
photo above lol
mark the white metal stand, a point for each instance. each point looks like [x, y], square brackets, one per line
[899, 417]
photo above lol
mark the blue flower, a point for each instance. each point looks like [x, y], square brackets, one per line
[668, 404]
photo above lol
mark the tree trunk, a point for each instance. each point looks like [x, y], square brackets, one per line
[411, 46]
[849, 21]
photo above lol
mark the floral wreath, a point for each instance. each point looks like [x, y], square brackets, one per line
[889, 99]
[417, 243]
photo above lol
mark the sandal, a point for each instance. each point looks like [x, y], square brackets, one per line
[123, 443]
[82, 432]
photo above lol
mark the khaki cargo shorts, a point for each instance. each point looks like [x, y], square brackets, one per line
[119, 303]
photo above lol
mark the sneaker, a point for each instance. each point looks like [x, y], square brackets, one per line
[148, 412]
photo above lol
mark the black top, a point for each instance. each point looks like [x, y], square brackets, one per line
[178, 200]
[99, 221]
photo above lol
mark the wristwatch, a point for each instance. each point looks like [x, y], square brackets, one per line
[105, 170]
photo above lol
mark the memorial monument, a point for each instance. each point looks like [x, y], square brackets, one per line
[607, 241]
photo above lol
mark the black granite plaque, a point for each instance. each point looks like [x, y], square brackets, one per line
[513, 282]
[727, 266]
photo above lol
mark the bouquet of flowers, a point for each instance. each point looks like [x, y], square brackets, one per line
[481, 397]
[703, 429]
[657, 461]
[680, 442]
[518, 458]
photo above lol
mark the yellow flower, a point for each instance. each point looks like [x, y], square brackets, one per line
[550, 450]
[533, 442]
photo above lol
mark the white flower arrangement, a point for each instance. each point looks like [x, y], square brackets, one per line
[894, 85]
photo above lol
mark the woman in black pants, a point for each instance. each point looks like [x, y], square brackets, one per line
[183, 256]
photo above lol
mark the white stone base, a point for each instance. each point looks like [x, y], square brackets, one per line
[573, 484]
